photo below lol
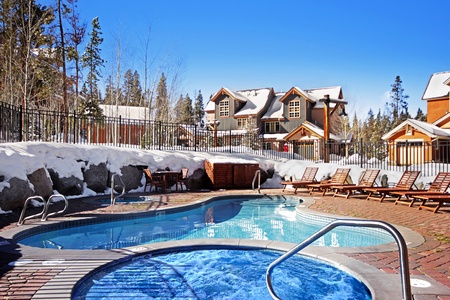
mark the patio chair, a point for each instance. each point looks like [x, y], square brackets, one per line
[405, 183]
[438, 187]
[433, 202]
[182, 178]
[153, 181]
[367, 179]
[338, 178]
[308, 177]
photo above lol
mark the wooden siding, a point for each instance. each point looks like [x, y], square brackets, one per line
[437, 109]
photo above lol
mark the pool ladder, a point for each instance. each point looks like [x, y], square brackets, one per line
[257, 176]
[403, 251]
[113, 186]
[44, 214]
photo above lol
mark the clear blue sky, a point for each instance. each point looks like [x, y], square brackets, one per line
[359, 45]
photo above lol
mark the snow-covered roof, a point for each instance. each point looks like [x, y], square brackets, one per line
[319, 131]
[424, 127]
[275, 110]
[127, 112]
[210, 106]
[335, 92]
[256, 101]
[275, 136]
[438, 86]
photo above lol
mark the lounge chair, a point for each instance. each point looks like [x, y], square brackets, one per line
[366, 180]
[308, 177]
[433, 202]
[405, 183]
[438, 187]
[338, 178]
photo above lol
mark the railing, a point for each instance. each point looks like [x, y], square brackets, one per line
[257, 177]
[113, 187]
[19, 125]
[403, 251]
[44, 213]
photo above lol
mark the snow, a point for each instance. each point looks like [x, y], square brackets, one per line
[437, 86]
[20, 159]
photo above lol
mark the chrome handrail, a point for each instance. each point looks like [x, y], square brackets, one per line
[257, 175]
[403, 251]
[25, 205]
[45, 215]
[113, 198]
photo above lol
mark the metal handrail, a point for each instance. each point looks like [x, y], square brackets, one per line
[403, 251]
[257, 175]
[113, 198]
[45, 215]
[25, 205]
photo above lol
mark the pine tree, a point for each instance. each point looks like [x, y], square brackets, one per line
[199, 110]
[187, 111]
[420, 115]
[91, 59]
[398, 103]
[162, 101]
[177, 110]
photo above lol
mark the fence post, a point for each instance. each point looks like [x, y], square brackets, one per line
[195, 137]
[230, 140]
[407, 154]
[361, 152]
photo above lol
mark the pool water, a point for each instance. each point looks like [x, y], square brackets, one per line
[220, 274]
[256, 218]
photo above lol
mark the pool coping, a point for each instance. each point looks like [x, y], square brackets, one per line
[76, 264]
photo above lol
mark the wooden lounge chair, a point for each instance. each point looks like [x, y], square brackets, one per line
[438, 187]
[308, 177]
[366, 180]
[405, 183]
[339, 178]
[433, 202]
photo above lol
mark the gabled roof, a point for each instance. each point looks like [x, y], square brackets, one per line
[335, 92]
[438, 86]
[275, 110]
[310, 127]
[426, 128]
[257, 100]
[235, 95]
[298, 91]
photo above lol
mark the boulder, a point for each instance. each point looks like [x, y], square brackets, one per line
[66, 186]
[131, 177]
[15, 195]
[40, 179]
[198, 180]
[96, 177]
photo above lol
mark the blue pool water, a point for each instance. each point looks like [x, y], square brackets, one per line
[220, 274]
[256, 218]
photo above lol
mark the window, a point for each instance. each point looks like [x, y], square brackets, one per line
[294, 109]
[224, 109]
[242, 123]
[272, 127]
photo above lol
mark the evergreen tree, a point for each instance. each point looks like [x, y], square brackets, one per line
[199, 110]
[420, 115]
[367, 127]
[177, 110]
[162, 101]
[132, 91]
[187, 111]
[398, 104]
[92, 61]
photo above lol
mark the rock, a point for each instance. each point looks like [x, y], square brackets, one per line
[199, 180]
[15, 195]
[96, 177]
[42, 183]
[66, 186]
[131, 177]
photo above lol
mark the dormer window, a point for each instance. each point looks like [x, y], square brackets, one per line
[294, 109]
[224, 108]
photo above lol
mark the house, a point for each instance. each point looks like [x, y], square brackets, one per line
[415, 142]
[281, 119]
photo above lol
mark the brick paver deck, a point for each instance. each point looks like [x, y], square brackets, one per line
[432, 258]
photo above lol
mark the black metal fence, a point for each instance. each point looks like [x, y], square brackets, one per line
[18, 125]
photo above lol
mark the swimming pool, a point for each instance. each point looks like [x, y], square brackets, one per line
[219, 274]
[259, 218]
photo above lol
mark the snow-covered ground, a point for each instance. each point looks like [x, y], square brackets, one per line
[20, 159]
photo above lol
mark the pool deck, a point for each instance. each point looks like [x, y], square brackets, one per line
[50, 274]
